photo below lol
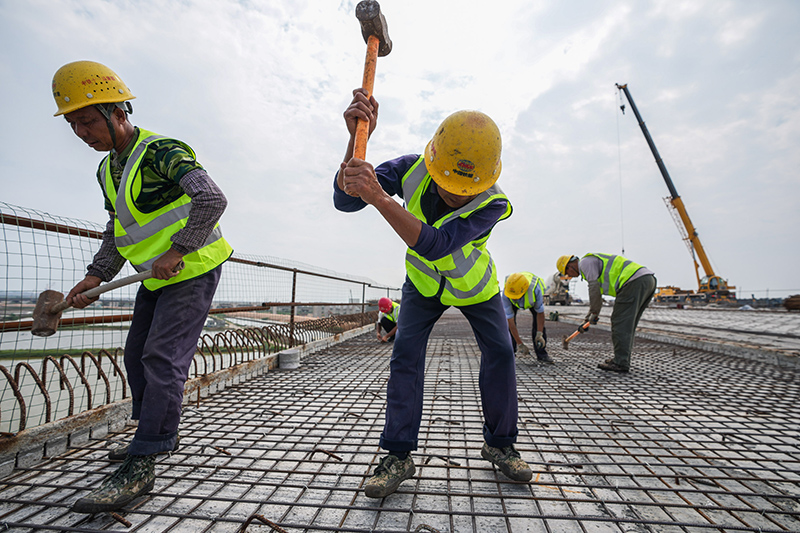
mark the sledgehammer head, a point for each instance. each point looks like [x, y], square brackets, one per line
[581, 329]
[47, 313]
[368, 13]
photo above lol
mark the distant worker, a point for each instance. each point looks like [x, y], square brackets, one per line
[451, 205]
[631, 284]
[387, 319]
[163, 209]
[523, 290]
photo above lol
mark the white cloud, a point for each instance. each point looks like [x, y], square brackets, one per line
[258, 89]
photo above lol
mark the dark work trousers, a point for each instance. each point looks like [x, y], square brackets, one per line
[540, 353]
[631, 301]
[160, 347]
[497, 377]
[388, 326]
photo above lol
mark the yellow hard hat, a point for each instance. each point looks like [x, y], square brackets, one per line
[83, 83]
[562, 263]
[463, 157]
[516, 285]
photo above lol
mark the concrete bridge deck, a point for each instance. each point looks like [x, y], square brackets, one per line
[689, 441]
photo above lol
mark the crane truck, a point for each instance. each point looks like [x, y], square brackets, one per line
[711, 287]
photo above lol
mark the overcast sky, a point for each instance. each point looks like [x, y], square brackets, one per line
[258, 88]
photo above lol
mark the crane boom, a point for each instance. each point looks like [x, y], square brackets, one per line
[710, 283]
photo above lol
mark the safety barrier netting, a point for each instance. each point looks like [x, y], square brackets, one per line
[263, 305]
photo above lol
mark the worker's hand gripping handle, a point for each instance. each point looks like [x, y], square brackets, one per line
[368, 83]
[110, 286]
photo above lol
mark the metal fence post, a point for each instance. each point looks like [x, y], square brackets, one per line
[291, 314]
[363, 297]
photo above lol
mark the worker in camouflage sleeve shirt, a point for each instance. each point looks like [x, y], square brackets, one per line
[164, 212]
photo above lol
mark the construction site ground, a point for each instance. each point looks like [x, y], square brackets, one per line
[691, 440]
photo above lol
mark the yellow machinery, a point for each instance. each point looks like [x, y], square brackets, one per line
[711, 288]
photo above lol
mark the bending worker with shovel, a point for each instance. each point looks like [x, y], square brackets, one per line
[164, 210]
[452, 204]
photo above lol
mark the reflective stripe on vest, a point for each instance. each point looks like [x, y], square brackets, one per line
[141, 238]
[392, 317]
[467, 276]
[529, 299]
[613, 277]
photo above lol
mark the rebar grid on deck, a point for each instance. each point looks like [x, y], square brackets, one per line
[688, 441]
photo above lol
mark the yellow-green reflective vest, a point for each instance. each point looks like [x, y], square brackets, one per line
[143, 237]
[467, 276]
[529, 299]
[392, 316]
[616, 271]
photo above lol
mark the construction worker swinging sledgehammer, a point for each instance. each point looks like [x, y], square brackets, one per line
[451, 206]
[163, 212]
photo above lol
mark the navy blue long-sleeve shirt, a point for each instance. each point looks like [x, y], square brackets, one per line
[433, 243]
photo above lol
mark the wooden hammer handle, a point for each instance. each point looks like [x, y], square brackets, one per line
[581, 329]
[368, 82]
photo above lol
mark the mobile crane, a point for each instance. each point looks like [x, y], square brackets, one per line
[711, 288]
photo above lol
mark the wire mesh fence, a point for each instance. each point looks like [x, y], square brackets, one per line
[262, 305]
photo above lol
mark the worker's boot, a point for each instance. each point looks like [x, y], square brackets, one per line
[389, 473]
[135, 477]
[508, 461]
[610, 365]
[118, 454]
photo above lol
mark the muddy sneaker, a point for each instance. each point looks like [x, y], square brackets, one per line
[508, 461]
[388, 475]
[135, 477]
[118, 454]
[610, 365]
[545, 359]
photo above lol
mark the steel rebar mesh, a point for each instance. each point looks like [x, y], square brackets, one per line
[687, 442]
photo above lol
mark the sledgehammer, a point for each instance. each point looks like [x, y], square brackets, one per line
[376, 35]
[50, 304]
[581, 329]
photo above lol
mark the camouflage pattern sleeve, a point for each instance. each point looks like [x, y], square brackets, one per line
[172, 159]
[163, 166]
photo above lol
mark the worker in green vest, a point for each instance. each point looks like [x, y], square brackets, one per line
[452, 203]
[632, 287]
[164, 211]
[523, 290]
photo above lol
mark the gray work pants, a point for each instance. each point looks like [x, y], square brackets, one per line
[632, 299]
